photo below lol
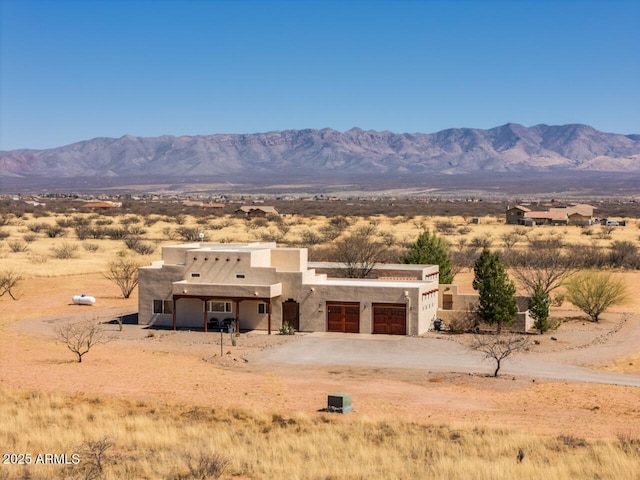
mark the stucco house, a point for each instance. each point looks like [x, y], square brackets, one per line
[260, 286]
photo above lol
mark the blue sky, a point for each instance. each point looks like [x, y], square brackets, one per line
[72, 70]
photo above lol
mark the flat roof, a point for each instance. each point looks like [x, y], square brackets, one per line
[371, 282]
[380, 266]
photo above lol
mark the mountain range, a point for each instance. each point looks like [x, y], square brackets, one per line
[327, 152]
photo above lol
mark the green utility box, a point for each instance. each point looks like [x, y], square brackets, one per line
[340, 403]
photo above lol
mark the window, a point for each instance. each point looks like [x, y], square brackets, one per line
[162, 306]
[263, 308]
[195, 275]
[215, 306]
[240, 275]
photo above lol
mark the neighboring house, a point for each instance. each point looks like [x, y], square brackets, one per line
[578, 214]
[546, 218]
[260, 286]
[254, 211]
[515, 215]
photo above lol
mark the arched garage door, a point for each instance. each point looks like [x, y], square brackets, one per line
[343, 317]
[390, 318]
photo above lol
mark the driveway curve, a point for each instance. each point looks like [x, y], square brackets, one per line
[429, 354]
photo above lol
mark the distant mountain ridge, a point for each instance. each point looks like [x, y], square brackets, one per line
[507, 148]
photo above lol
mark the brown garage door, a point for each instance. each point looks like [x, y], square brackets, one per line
[390, 318]
[343, 317]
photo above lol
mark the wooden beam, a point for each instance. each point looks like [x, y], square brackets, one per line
[173, 299]
[204, 315]
[269, 315]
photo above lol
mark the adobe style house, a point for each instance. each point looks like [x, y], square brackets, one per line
[260, 286]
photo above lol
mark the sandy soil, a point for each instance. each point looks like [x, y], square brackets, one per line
[186, 367]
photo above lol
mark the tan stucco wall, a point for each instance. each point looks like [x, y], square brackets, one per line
[278, 275]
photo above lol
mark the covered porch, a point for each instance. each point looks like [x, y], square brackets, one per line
[222, 294]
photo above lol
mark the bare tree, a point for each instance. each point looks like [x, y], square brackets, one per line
[124, 273]
[361, 251]
[543, 266]
[594, 291]
[9, 280]
[497, 347]
[95, 457]
[80, 337]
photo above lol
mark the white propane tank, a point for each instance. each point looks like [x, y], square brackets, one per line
[83, 299]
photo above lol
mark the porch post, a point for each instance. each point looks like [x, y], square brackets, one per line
[173, 299]
[269, 315]
[204, 314]
[237, 303]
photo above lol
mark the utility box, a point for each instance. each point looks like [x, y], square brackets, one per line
[340, 403]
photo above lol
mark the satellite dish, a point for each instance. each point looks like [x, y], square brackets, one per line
[201, 235]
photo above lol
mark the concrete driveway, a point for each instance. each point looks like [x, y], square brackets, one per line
[430, 354]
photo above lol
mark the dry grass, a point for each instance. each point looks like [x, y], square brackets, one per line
[155, 441]
[37, 258]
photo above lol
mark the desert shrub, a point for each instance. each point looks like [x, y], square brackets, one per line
[189, 234]
[132, 241]
[37, 258]
[130, 220]
[258, 222]
[464, 230]
[144, 248]
[136, 230]
[91, 247]
[329, 232]
[287, 329]
[271, 235]
[310, 238]
[82, 232]
[30, 237]
[150, 220]
[481, 242]
[37, 227]
[203, 467]
[80, 221]
[4, 234]
[103, 222]
[18, 246]
[445, 226]
[54, 231]
[624, 254]
[64, 222]
[179, 219]
[116, 233]
[64, 251]
[202, 221]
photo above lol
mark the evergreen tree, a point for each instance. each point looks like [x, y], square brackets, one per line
[430, 249]
[497, 292]
[539, 308]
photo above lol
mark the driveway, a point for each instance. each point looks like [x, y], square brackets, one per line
[429, 354]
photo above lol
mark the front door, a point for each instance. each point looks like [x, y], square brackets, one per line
[291, 314]
[343, 317]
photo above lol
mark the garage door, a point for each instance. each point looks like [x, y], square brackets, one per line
[343, 317]
[390, 318]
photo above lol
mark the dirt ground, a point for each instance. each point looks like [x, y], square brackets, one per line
[187, 368]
